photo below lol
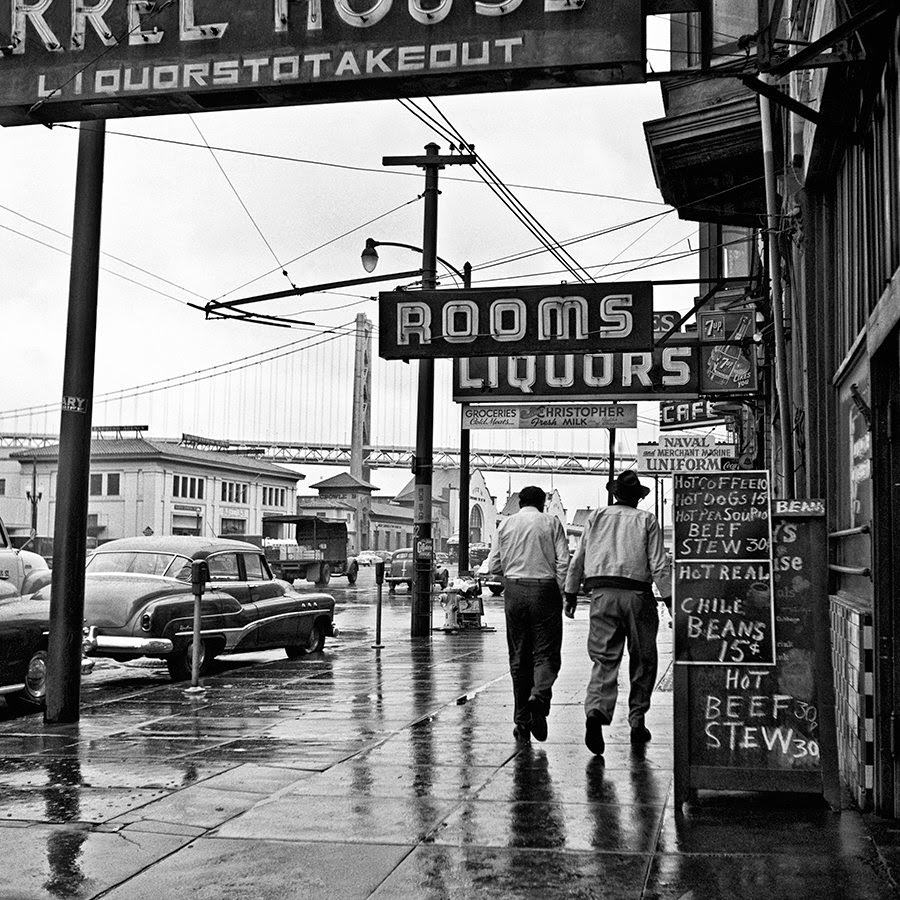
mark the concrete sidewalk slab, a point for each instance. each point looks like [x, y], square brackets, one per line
[355, 774]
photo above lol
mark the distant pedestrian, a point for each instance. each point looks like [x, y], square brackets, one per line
[531, 552]
[621, 550]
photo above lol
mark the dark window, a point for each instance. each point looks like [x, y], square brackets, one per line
[233, 526]
[2, 487]
[96, 485]
[112, 485]
[253, 567]
[223, 567]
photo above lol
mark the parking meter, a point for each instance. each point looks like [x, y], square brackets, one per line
[199, 578]
[379, 582]
[199, 575]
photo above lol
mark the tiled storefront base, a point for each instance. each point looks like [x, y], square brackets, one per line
[852, 645]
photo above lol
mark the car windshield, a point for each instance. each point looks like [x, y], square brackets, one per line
[403, 554]
[141, 563]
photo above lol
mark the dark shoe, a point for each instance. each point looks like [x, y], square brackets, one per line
[538, 710]
[640, 734]
[521, 734]
[593, 735]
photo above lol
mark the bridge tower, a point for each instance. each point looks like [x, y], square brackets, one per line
[361, 425]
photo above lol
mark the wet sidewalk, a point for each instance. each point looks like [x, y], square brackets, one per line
[356, 774]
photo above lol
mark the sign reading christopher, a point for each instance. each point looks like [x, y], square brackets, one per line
[81, 59]
[512, 321]
[551, 415]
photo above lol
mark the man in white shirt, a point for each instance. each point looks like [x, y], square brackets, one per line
[531, 552]
[621, 550]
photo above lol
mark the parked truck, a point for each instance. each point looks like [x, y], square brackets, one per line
[21, 571]
[307, 548]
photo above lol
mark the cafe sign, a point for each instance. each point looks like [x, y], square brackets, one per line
[81, 59]
[512, 321]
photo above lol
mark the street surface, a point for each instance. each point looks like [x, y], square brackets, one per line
[356, 774]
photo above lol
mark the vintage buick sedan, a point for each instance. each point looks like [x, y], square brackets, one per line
[138, 602]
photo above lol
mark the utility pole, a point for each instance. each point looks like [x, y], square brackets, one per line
[465, 471]
[34, 497]
[423, 462]
[610, 496]
[70, 530]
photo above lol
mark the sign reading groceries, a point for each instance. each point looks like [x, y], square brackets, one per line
[552, 415]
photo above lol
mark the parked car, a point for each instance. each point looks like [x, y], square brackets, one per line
[138, 602]
[24, 631]
[368, 558]
[400, 571]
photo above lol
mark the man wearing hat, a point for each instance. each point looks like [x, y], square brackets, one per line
[621, 553]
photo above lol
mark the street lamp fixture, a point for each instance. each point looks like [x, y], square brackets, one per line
[369, 258]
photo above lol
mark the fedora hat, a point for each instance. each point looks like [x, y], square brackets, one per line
[628, 484]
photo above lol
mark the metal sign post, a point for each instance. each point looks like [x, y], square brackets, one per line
[70, 530]
[379, 584]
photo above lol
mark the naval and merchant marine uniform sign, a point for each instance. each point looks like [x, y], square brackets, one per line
[81, 59]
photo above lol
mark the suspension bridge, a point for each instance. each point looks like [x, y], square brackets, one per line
[322, 400]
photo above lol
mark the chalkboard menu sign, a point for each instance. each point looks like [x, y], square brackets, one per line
[724, 614]
[722, 515]
[752, 726]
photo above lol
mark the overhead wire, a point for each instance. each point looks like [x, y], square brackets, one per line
[240, 200]
[118, 259]
[366, 169]
[324, 244]
[112, 272]
[503, 192]
[510, 195]
[343, 330]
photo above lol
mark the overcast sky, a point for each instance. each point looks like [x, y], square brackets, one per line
[169, 210]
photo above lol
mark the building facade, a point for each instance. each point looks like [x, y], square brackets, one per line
[445, 508]
[835, 117]
[140, 486]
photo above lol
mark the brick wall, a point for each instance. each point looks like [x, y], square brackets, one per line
[852, 646]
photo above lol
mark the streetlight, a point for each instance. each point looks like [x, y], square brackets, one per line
[369, 259]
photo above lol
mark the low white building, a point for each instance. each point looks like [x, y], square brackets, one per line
[147, 486]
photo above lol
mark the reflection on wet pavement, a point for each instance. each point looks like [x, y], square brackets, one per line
[355, 774]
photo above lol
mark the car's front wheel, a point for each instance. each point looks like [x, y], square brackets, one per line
[314, 644]
[180, 662]
[33, 696]
[496, 589]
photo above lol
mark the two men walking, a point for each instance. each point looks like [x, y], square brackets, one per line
[621, 553]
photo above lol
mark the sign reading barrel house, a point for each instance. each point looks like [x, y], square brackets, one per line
[753, 696]
[110, 58]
